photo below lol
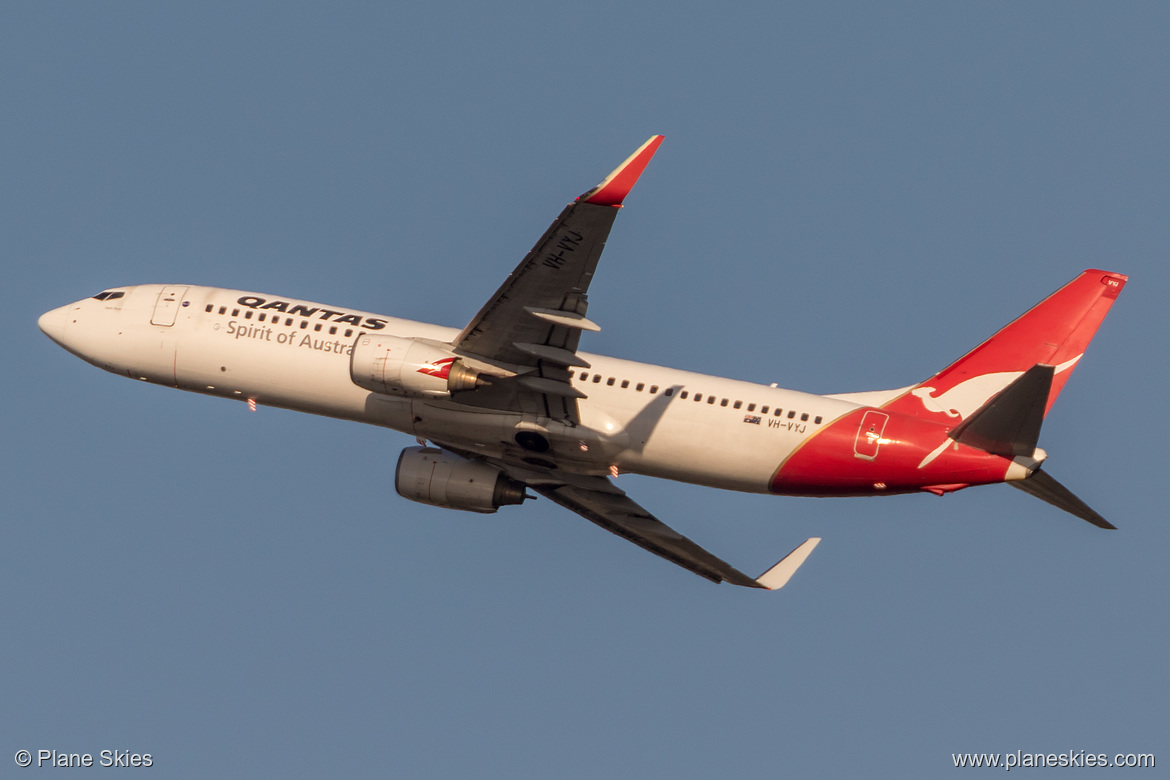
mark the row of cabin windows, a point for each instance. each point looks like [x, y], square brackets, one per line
[698, 397]
[288, 321]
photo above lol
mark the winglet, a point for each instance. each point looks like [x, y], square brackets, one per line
[614, 189]
[777, 576]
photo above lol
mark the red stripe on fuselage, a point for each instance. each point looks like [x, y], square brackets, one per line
[843, 459]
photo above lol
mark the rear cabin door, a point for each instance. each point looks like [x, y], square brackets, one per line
[869, 434]
[167, 306]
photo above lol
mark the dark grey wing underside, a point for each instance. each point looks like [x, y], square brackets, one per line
[535, 318]
[600, 501]
[533, 322]
[621, 515]
[553, 277]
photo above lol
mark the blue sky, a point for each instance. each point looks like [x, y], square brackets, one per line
[849, 197]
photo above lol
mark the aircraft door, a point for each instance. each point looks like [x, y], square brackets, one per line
[167, 307]
[869, 434]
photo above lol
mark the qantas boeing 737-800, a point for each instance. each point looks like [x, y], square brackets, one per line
[509, 403]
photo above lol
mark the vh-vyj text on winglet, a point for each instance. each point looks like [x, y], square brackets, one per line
[615, 187]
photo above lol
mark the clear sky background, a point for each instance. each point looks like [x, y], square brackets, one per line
[849, 197]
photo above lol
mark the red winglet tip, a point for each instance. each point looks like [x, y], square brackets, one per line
[614, 189]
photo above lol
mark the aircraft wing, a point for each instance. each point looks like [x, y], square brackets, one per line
[597, 499]
[534, 320]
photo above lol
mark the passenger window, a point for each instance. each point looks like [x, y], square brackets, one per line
[817, 420]
[668, 392]
[639, 387]
[262, 316]
[235, 312]
[248, 314]
[348, 332]
[737, 404]
[625, 383]
[209, 308]
[332, 328]
[752, 408]
[610, 381]
[222, 309]
[698, 397]
[683, 394]
[764, 409]
[596, 378]
[710, 399]
[724, 403]
[317, 327]
[653, 389]
[779, 412]
[804, 418]
[288, 321]
[791, 414]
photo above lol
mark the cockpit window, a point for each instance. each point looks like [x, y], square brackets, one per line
[109, 295]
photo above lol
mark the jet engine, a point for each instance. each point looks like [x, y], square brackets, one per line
[396, 366]
[432, 476]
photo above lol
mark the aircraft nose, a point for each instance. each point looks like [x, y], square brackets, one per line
[52, 324]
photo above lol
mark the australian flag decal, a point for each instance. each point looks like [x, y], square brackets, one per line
[751, 418]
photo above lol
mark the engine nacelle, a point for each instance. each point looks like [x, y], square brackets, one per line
[396, 366]
[433, 476]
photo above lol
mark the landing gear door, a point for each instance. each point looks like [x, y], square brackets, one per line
[869, 434]
[167, 306]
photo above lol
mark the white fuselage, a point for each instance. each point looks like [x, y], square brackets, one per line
[295, 354]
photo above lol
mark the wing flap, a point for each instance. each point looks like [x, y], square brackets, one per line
[562, 357]
[547, 386]
[569, 319]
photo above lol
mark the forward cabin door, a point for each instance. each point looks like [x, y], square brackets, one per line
[167, 306]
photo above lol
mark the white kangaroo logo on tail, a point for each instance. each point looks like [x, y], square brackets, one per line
[970, 394]
[966, 397]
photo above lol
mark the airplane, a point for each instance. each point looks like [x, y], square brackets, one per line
[510, 404]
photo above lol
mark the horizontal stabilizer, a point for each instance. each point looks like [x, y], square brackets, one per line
[777, 576]
[1045, 488]
[1009, 423]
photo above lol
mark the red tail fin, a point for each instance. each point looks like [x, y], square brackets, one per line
[1054, 332]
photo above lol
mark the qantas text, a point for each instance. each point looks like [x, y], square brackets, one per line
[300, 310]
